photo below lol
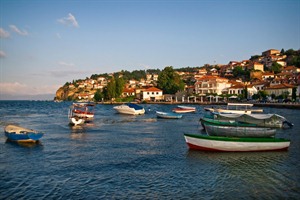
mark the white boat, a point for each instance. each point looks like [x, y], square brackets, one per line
[80, 113]
[184, 109]
[168, 115]
[130, 109]
[84, 111]
[262, 120]
[240, 108]
[216, 143]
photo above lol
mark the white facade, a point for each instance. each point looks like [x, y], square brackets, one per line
[152, 94]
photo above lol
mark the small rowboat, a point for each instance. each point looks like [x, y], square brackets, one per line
[262, 120]
[184, 109]
[21, 134]
[240, 108]
[238, 131]
[168, 115]
[216, 143]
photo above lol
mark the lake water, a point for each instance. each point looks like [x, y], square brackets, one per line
[136, 157]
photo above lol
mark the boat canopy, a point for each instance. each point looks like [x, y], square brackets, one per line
[134, 106]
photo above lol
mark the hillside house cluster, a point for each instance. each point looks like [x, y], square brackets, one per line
[211, 84]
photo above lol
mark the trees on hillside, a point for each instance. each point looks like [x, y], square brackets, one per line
[169, 81]
[276, 68]
[113, 89]
[240, 72]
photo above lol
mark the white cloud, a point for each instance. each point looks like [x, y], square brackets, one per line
[70, 20]
[18, 31]
[2, 54]
[3, 33]
[17, 89]
[64, 64]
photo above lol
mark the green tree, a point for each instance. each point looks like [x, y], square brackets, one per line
[111, 89]
[98, 96]
[240, 72]
[169, 81]
[276, 68]
[245, 93]
[119, 86]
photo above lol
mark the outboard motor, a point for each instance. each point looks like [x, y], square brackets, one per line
[288, 123]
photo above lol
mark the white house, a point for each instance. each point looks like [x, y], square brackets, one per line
[151, 94]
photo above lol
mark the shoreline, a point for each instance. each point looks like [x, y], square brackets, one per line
[272, 105]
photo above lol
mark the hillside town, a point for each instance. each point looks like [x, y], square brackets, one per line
[210, 83]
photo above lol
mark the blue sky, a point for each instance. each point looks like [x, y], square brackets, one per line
[47, 43]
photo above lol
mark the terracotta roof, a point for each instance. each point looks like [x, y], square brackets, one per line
[281, 86]
[290, 68]
[152, 89]
[237, 86]
[128, 90]
[267, 73]
[211, 78]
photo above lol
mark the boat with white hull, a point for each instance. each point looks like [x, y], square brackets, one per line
[168, 115]
[130, 109]
[240, 108]
[228, 144]
[184, 109]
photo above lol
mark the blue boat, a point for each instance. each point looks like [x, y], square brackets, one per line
[21, 134]
[168, 115]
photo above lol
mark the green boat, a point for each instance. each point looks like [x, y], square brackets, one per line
[225, 123]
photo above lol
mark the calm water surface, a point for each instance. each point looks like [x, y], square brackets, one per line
[136, 157]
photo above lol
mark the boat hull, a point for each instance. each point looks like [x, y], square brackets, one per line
[262, 120]
[130, 109]
[238, 131]
[184, 109]
[225, 123]
[227, 144]
[166, 115]
[20, 134]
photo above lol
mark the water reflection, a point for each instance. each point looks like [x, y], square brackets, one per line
[37, 144]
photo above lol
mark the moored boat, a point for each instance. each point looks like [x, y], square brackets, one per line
[83, 111]
[130, 109]
[184, 109]
[261, 120]
[240, 108]
[80, 113]
[21, 134]
[225, 122]
[227, 144]
[168, 115]
[238, 131]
